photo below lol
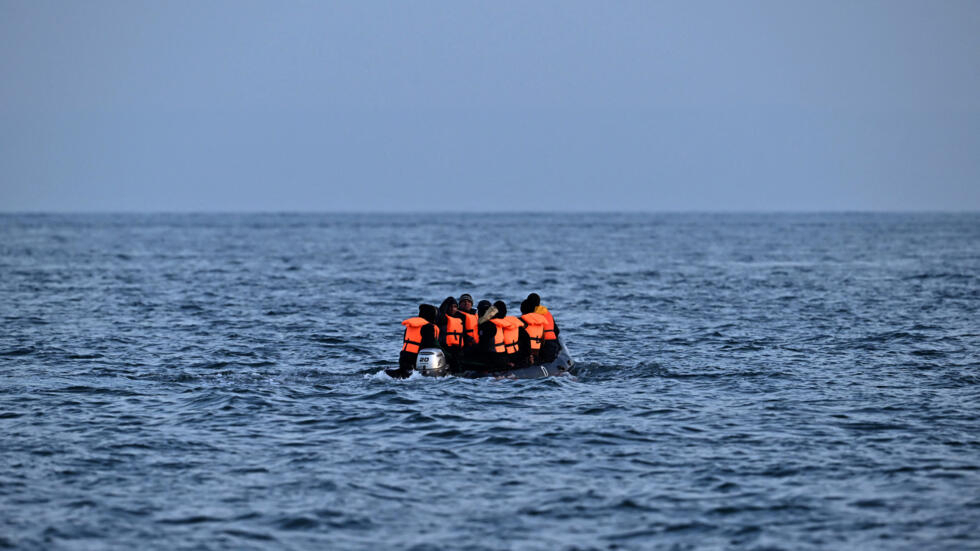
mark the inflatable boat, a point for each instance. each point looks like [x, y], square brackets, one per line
[432, 363]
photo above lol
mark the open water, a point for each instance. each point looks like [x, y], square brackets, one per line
[803, 381]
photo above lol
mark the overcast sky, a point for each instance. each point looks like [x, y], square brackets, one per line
[525, 105]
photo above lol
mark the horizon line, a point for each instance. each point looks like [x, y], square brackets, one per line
[40, 212]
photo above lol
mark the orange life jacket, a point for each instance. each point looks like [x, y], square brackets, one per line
[505, 341]
[413, 334]
[454, 332]
[535, 328]
[549, 326]
[511, 327]
[499, 344]
[470, 327]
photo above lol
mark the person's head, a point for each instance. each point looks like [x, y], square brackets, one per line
[427, 312]
[448, 306]
[482, 307]
[501, 308]
[526, 307]
[465, 302]
[534, 300]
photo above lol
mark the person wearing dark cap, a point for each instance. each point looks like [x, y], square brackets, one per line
[550, 346]
[420, 332]
[466, 303]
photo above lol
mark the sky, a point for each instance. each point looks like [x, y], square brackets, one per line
[465, 106]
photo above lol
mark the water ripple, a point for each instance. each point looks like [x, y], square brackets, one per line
[757, 381]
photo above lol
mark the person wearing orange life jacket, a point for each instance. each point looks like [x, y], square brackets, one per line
[490, 353]
[534, 325]
[471, 335]
[420, 332]
[510, 341]
[450, 326]
[466, 304]
[550, 347]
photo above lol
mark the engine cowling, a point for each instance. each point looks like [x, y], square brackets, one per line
[432, 362]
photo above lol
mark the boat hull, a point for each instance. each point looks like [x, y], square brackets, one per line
[561, 365]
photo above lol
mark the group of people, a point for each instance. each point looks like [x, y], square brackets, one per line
[484, 338]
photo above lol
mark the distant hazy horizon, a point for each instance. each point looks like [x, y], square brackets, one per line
[478, 212]
[574, 106]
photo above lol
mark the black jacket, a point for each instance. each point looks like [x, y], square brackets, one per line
[485, 352]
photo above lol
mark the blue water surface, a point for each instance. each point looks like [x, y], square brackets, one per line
[758, 381]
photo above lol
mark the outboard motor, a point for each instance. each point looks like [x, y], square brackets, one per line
[432, 362]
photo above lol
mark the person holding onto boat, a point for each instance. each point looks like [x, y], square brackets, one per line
[549, 346]
[420, 332]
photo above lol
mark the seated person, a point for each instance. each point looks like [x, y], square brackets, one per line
[420, 332]
[485, 355]
[450, 326]
[550, 346]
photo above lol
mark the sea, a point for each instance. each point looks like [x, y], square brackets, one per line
[742, 381]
